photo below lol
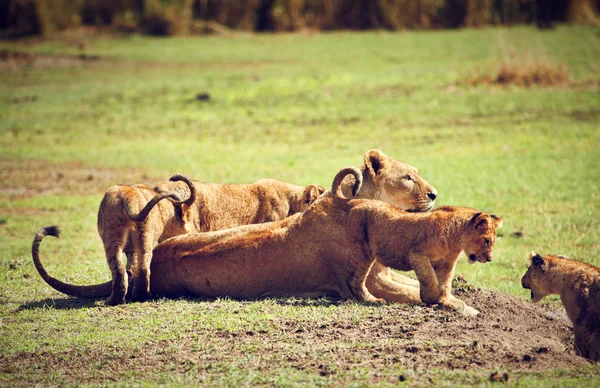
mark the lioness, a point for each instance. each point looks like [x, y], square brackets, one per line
[329, 249]
[383, 178]
[578, 285]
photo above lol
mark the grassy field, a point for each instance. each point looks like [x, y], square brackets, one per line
[296, 108]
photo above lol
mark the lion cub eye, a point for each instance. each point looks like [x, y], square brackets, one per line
[486, 241]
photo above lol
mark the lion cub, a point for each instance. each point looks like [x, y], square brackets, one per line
[427, 243]
[221, 206]
[126, 224]
[578, 285]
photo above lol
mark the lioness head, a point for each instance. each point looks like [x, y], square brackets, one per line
[481, 240]
[300, 203]
[396, 183]
[535, 278]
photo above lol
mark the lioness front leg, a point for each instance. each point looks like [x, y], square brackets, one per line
[381, 285]
[428, 283]
[445, 273]
[399, 278]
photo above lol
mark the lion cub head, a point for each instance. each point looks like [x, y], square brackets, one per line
[299, 203]
[480, 242]
[396, 183]
[536, 279]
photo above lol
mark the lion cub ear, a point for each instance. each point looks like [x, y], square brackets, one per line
[374, 162]
[310, 194]
[536, 259]
[321, 189]
[497, 220]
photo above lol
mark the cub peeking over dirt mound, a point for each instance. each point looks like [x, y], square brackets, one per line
[578, 285]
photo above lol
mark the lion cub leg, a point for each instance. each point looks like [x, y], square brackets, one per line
[429, 290]
[445, 273]
[141, 284]
[113, 247]
[587, 342]
[356, 282]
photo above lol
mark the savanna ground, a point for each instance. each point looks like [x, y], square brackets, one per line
[76, 118]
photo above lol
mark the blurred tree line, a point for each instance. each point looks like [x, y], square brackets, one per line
[181, 17]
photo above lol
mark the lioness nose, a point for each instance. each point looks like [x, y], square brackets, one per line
[432, 195]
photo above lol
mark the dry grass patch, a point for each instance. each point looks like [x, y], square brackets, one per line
[523, 70]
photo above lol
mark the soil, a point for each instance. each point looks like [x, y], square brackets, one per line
[13, 60]
[510, 336]
[25, 179]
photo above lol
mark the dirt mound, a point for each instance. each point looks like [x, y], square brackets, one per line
[508, 334]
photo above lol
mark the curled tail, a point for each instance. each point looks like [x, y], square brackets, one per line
[192, 198]
[141, 216]
[336, 186]
[95, 291]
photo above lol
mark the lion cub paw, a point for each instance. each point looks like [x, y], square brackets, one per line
[470, 311]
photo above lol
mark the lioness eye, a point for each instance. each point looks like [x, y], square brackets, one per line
[487, 242]
[408, 178]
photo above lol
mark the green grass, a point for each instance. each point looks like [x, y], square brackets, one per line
[295, 108]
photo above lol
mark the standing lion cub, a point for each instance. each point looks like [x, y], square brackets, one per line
[578, 285]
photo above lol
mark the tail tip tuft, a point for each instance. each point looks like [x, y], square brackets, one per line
[53, 230]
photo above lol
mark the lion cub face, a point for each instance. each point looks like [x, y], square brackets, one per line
[398, 183]
[302, 203]
[535, 278]
[480, 243]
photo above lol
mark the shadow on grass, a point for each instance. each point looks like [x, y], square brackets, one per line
[79, 303]
[60, 304]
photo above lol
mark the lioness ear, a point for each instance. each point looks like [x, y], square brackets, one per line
[497, 220]
[374, 161]
[321, 189]
[536, 259]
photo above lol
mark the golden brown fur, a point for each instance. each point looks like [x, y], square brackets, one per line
[221, 206]
[381, 177]
[578, 285]
[127, 224]
[328, 249]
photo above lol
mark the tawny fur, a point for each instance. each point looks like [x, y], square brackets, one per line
[382, 177]
[221, 206]
[127, 224]
[329, 249]
[578, 285]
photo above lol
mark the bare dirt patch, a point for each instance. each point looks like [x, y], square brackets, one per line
[29, 178]
[509, 338]
[15, 60]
